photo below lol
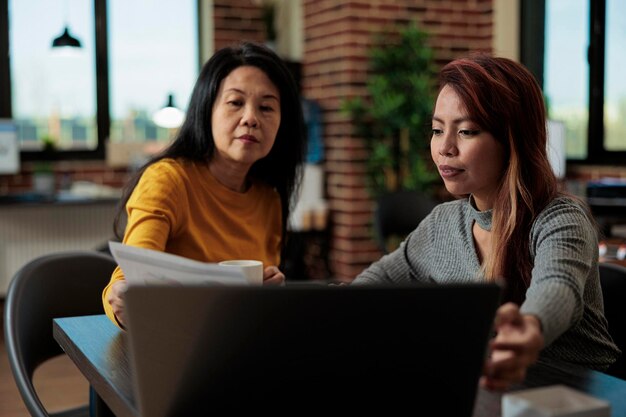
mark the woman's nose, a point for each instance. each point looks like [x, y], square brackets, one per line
[448, 147]
[250, 118]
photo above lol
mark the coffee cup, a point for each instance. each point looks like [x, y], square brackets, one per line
[253, 270]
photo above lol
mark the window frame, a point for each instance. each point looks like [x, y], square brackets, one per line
[5, 76]
[532, 55]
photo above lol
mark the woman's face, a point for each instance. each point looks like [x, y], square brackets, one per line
[469, 159]
[245, 117]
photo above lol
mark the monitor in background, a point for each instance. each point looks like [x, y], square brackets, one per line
[223, 350]
[9, 148]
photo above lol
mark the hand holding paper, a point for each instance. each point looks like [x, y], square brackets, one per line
[149, 267]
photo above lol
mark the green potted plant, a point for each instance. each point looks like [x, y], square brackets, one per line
[395, 118]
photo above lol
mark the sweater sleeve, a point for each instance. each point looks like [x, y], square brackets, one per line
[405, 264]
[152, 216]
[565, 249]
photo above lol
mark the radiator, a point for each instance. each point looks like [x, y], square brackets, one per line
[29, 231]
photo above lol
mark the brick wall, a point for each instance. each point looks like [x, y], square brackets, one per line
[236, 20]
[65, 173]
[337, 37]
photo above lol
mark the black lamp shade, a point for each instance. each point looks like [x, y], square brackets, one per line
[66, 40]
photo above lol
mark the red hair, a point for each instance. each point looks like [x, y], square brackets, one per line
[503, 98]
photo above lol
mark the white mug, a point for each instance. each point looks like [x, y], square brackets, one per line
[253, 270]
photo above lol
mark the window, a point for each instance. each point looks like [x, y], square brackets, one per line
[153, 51]
[132, 56]
[583, 73]
[615, 82]
[53, 94]
[566, 77]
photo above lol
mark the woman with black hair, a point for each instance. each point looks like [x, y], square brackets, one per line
[222, 189]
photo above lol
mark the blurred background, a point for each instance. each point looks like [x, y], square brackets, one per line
[89, 89]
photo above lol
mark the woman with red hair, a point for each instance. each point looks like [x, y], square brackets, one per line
[511, 224]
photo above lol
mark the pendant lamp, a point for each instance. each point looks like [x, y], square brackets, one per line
[169, 116]
[66, 40]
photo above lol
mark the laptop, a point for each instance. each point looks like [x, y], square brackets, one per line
[224, 350]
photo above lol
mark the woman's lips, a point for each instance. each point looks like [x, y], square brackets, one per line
[248, 139]
[448, 171]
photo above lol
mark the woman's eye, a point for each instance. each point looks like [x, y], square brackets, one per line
[267, 108]
[437, 132]
[235, 103]
[468, 132]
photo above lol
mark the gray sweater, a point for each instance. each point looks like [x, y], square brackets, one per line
[564, 292]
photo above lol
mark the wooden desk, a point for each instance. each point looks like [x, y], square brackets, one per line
[98, 348]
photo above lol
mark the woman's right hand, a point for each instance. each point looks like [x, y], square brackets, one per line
[115, 298]
[514, 349]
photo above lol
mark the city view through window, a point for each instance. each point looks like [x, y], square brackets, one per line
[567, 73]
[153, 52]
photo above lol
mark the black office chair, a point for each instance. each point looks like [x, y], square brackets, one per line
[56, 285]
[398, 213]
[613, 282]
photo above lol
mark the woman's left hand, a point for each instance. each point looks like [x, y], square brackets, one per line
[516, 346]
[273, 276]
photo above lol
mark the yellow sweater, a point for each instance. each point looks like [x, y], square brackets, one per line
[179, 207]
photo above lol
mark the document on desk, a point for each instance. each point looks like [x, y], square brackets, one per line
[150, 267]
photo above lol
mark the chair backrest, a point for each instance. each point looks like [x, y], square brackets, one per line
[613, 282]
[399, 213]
[56, 285]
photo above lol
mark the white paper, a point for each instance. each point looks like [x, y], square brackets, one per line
[150, 267]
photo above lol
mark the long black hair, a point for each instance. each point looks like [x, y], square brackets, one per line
[281, 168]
